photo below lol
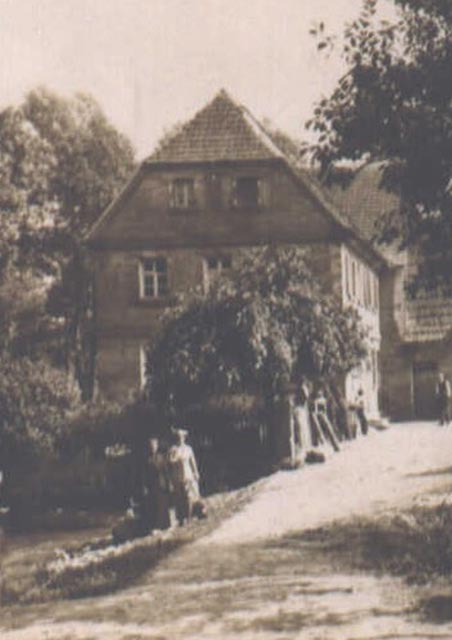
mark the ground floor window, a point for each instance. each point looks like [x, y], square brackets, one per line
[374, 366]
[142, 360]
[153, 278]
[213, 266]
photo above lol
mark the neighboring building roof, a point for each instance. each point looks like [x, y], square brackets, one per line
[363, 199]
[427, 319]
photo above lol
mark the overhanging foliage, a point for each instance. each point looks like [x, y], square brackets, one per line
[394, 104]
[261, 327]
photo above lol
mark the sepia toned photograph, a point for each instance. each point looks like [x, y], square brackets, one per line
[225, 319]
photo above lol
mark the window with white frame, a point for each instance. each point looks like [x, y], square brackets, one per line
[153, 274]
[213, 266]
[375, 369]
[182, 193]
[367, 289]
[347, 276]
[376, 290]
[354, 278]
[361, 274]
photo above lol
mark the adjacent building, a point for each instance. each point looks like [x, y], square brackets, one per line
[219, 186]
[416, 331]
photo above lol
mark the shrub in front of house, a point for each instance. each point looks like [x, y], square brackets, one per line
[89, 467]
[260, 328]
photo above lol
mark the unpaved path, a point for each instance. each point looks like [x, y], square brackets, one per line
[250, 579]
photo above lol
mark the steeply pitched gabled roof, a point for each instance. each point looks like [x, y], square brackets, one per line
[226, 131]
[222, 131]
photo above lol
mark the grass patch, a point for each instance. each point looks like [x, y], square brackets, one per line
[82, 568]
[416, 544]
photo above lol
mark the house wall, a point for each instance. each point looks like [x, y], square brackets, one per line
[409, 364]
[395, 361]
[145, 219]
[144, 225]
[359, 289]
[125, 324]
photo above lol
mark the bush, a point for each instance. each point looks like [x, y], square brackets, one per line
[90, 429]
[35, 400]
[78, 473]
[232, 441]
[55, 493]
[266, 324]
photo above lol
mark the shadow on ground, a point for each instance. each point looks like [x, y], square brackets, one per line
[431, 473]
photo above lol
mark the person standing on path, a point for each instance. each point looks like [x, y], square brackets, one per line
[303, 436]
[443, 399]
[156, 488]
[184, 477]
[361, 413]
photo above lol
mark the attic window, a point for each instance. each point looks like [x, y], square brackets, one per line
[182, 193]
[247, 192]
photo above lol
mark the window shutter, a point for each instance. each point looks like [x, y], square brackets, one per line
[234, 203]
[215, 186]
[191, 186]
[263, 193]
[171, 195]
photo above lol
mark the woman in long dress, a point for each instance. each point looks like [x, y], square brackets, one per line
[184, 477]
[301, 414]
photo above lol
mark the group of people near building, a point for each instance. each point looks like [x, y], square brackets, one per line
[166, 489]
[324, 418]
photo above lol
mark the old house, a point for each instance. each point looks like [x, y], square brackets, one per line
[220, 185]
[416, 331]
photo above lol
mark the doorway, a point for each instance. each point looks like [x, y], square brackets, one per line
[425, 375]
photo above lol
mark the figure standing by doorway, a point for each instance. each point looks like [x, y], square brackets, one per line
[361, 412]
[443, 398]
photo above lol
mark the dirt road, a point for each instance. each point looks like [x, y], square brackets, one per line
[250, 579]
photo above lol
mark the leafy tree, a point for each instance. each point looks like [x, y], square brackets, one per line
[92, 158]
[255, 331]
[393, 104]
[93, 161]
[61, 163]
[26, 164]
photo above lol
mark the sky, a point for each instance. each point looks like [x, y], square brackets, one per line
[152, 63]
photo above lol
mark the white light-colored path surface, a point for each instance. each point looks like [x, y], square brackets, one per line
[371, 473]
[247, 582]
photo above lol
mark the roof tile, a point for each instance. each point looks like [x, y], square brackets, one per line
[222, 130]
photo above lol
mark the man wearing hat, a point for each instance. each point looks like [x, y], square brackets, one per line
[184, 476]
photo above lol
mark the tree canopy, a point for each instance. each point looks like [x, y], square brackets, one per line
[61, 163]
[265, 324]
[394, 104]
